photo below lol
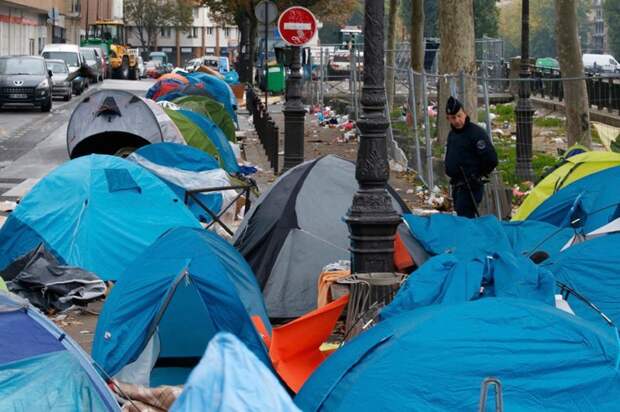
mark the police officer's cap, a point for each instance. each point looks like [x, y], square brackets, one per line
[453, 106]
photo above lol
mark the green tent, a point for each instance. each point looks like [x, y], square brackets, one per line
[212, 109]
[3, 286]
[193, 135]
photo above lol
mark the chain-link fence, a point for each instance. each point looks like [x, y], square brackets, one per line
[416, 134]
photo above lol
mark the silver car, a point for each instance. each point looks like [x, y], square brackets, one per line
[93, 60]
[61, 87]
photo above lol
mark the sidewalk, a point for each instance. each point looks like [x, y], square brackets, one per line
[319, 141]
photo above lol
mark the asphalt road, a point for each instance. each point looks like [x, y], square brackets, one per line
[33, 143]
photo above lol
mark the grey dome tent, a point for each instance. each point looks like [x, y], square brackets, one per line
[111, 121]
[296, 228]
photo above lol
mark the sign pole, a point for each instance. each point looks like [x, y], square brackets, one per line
[297, 26]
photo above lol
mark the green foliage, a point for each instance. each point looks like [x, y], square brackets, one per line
[542, 27]
[504, 112]
[486, 17]
[612, 17]
[506, 152]
[548, 122]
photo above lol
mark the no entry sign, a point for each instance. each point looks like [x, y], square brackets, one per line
[297, 25]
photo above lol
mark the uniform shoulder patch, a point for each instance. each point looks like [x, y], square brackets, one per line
[481, 144]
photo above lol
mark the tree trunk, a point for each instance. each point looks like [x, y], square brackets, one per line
[418, 47]
[457, 52]
[571, 65]
[389, 63]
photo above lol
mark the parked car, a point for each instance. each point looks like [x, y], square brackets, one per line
[61, 87]
[70, 54]
[93, 60]
[141, 68]
[25, 80]
[600, 63]
[153, 69]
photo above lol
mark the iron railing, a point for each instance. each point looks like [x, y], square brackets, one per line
[266, 128]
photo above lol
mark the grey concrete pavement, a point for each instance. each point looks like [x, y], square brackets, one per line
[32, 144]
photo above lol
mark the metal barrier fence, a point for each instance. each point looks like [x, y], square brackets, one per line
[603, 90]
[268, 132]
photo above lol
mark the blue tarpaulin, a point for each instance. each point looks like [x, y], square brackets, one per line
[218, 89]
[447, 279]
[95, 212]
[43, 369]
[436, 358]
[230, 378]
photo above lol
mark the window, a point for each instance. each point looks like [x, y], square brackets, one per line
[210, 31]
[193, 33]
[166, 32]
[226, 32]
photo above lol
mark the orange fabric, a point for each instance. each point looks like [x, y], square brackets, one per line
[295, 346]
[175, 77]
[402, 259]
[325, 281]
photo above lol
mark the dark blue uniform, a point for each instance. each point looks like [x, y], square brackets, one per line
[470, 156]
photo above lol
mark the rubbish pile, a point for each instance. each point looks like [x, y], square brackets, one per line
[328, 118]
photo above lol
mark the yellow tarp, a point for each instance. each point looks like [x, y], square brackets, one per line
[608, 134]
[3, 286]
[575, 168]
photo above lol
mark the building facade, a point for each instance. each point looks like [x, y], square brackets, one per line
[205, 37]
[26, 26]
[597, 33]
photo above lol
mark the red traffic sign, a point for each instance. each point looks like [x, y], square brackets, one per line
[297, 25]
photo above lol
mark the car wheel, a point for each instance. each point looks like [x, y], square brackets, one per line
[47, 106]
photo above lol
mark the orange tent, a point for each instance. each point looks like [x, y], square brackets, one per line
[174, 76]
[294, 348]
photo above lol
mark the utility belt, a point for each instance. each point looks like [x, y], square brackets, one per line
[474, 182]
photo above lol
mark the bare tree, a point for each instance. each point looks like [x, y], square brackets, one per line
[457, 52]
[417, 45]
[389, 60]
[571, 65]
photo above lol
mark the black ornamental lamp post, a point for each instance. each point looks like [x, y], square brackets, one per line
[372, 219]
[524, 110]
[294, 112]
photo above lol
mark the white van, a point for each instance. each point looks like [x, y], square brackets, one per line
[600, 63]
[70, 53]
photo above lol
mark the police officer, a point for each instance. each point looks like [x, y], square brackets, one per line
[470, 156]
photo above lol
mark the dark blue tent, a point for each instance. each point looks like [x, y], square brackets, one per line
[435, 359]
[593, 198]
[591, 269]
[464, 237]
[43, 369]
[185, 168]
[447, 279]
[95, 212]
[189, 285]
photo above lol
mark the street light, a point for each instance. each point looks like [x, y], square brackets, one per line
[372, 219]
[524, 110]
[294, 111]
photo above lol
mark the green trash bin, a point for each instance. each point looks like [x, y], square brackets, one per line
[275, 76]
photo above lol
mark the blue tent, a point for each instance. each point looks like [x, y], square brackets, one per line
[217, 137]
[592, 198]
[591, 269]
[218, 89]
[475, 237]
[95, 212]
[447, 279]
[435, 359]
[43, 369]
[184, 168]
[189, 285]
[230, 378]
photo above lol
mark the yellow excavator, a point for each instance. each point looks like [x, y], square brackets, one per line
[109, 35]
